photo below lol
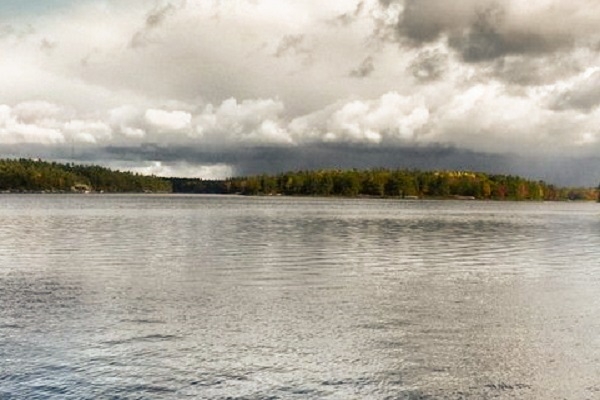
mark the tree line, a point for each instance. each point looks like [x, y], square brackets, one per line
[388, 183]
[26, 175]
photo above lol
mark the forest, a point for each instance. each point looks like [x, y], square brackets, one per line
[407, 184]
[26, 175]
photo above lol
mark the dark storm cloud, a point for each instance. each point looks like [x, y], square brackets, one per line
[487, 40]
[421, 20]
[275, 159]
[258, 160]
[365, 68]
[483, 41]
[348, 156]
[562, 171]
[477, 30]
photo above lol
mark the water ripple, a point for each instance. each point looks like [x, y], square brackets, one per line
[130, 297]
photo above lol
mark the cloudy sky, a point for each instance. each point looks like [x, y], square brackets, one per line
[212, 88]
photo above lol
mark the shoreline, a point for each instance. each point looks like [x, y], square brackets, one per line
[279, 195]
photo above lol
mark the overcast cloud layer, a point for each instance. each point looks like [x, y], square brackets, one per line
[213, 88]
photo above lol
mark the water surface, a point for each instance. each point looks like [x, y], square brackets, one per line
[161, 297]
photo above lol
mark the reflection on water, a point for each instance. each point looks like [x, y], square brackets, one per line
[251, 298]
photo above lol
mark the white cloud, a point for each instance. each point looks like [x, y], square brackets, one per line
[580, 92]
[487, 118]
[392, 118]
[127, 120]
[159, 168]
[169, 121]
[88, 131]
[37, 111]
[133, 133]
[13, 131]
[269, 132]
[255, 121]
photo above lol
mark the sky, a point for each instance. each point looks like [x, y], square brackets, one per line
[215, 88]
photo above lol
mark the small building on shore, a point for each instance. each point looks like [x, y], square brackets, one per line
[81, 188]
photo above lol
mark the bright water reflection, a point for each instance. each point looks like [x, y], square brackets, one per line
[131, 297]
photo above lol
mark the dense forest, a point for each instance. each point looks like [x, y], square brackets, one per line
[25, 175]
[388, 183]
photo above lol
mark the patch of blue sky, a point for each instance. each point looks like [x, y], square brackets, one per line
[34, 7]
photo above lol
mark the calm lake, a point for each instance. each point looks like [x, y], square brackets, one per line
[174, 297]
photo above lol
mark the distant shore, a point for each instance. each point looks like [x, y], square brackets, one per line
[384, 183]
[42, 177]
[407, 198]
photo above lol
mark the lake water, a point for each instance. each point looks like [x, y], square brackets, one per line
[174, 297]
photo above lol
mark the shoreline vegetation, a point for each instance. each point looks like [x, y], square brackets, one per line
[36, 176]
[387, 183]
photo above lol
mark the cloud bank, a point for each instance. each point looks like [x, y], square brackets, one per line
[218, 88]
